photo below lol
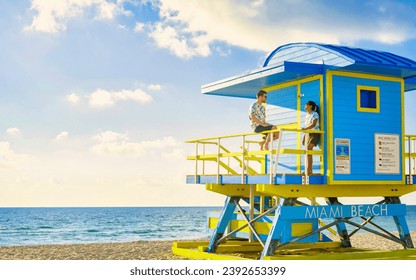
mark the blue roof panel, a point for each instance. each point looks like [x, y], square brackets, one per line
[353, 55]
[298, 60]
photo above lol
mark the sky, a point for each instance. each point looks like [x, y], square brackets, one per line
[98, 96]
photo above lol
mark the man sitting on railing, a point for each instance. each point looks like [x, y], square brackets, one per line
[257, 116]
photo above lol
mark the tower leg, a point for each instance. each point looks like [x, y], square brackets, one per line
[403, 231]
[401, 224]
[343, 233]
[275, 233]
[225, 218]
[341, 228]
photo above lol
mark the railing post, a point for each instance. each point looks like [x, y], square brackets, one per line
[203, 162]
[279, 145]
[414, 160]
[410, 160]
[305, 178]
[271, 158]
[196, 162]
[252, 189]
[218, 160]
[243, 167]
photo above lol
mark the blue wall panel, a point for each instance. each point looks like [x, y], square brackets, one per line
[282, 109]
[361, 127]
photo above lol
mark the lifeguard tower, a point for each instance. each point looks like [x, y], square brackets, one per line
[272, 207]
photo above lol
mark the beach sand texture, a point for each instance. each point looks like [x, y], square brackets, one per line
[144, 250]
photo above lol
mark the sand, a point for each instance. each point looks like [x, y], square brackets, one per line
[139, 250]
[144, 250]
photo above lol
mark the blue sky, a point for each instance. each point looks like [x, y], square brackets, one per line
[98, 96]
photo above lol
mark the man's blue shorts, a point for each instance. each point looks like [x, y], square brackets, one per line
[261, 128]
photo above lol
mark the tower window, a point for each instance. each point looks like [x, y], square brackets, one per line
[368, 99]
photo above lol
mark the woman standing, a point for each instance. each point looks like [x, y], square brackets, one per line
[310, 140]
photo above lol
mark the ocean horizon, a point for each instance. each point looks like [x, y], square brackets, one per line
[23, 226]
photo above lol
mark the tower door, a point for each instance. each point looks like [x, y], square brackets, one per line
[310, 91]
[285, 106]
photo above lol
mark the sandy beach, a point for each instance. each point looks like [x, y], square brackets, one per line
[143, 250]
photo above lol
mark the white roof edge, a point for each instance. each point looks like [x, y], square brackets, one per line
[252, 75]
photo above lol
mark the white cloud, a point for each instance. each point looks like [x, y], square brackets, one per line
[9, 158]
[13, 131]
[114, 143]
[139, 27]
[52, 16]
[104, 99]
[191, 28]
[62, 136]
[178, 153]
[154, 87]
[107, 10]
[72, 98]
[110, 136]
[179, 41]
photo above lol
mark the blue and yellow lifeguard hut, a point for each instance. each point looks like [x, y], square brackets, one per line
[271, 204]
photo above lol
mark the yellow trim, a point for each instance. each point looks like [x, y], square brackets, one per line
[256, 247]
[330, 125]
[354, 190]
[366, 109]
[293, 83]
[349, 254]
[231, 190]
[251, 155]
[260, 227]
[299, 121]
[402, 152]
[304, 251]
[322, 120]
[412, 155]
[301, 152]
[340, 190]
[365, 76]
[299, 229]
[205, 139]
[194, 254]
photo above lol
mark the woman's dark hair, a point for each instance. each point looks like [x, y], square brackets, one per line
[314, 106]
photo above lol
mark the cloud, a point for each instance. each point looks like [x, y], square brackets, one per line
[154, 87]
[190, 28]
[119, 144]
[110, 137]
[52, 16]
[73, 98]
[103, 99]
[193, 28]
[139, 27]
[62, 136]
[13, 131]
[9, 158]
[179, 41]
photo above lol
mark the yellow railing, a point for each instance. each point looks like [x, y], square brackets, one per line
[410, 143]
[246, 157]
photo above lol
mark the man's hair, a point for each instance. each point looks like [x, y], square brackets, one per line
[260, 93]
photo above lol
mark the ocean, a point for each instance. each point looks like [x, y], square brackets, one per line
[38, 226]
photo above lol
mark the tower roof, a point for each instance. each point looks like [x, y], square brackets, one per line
[298, 60]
